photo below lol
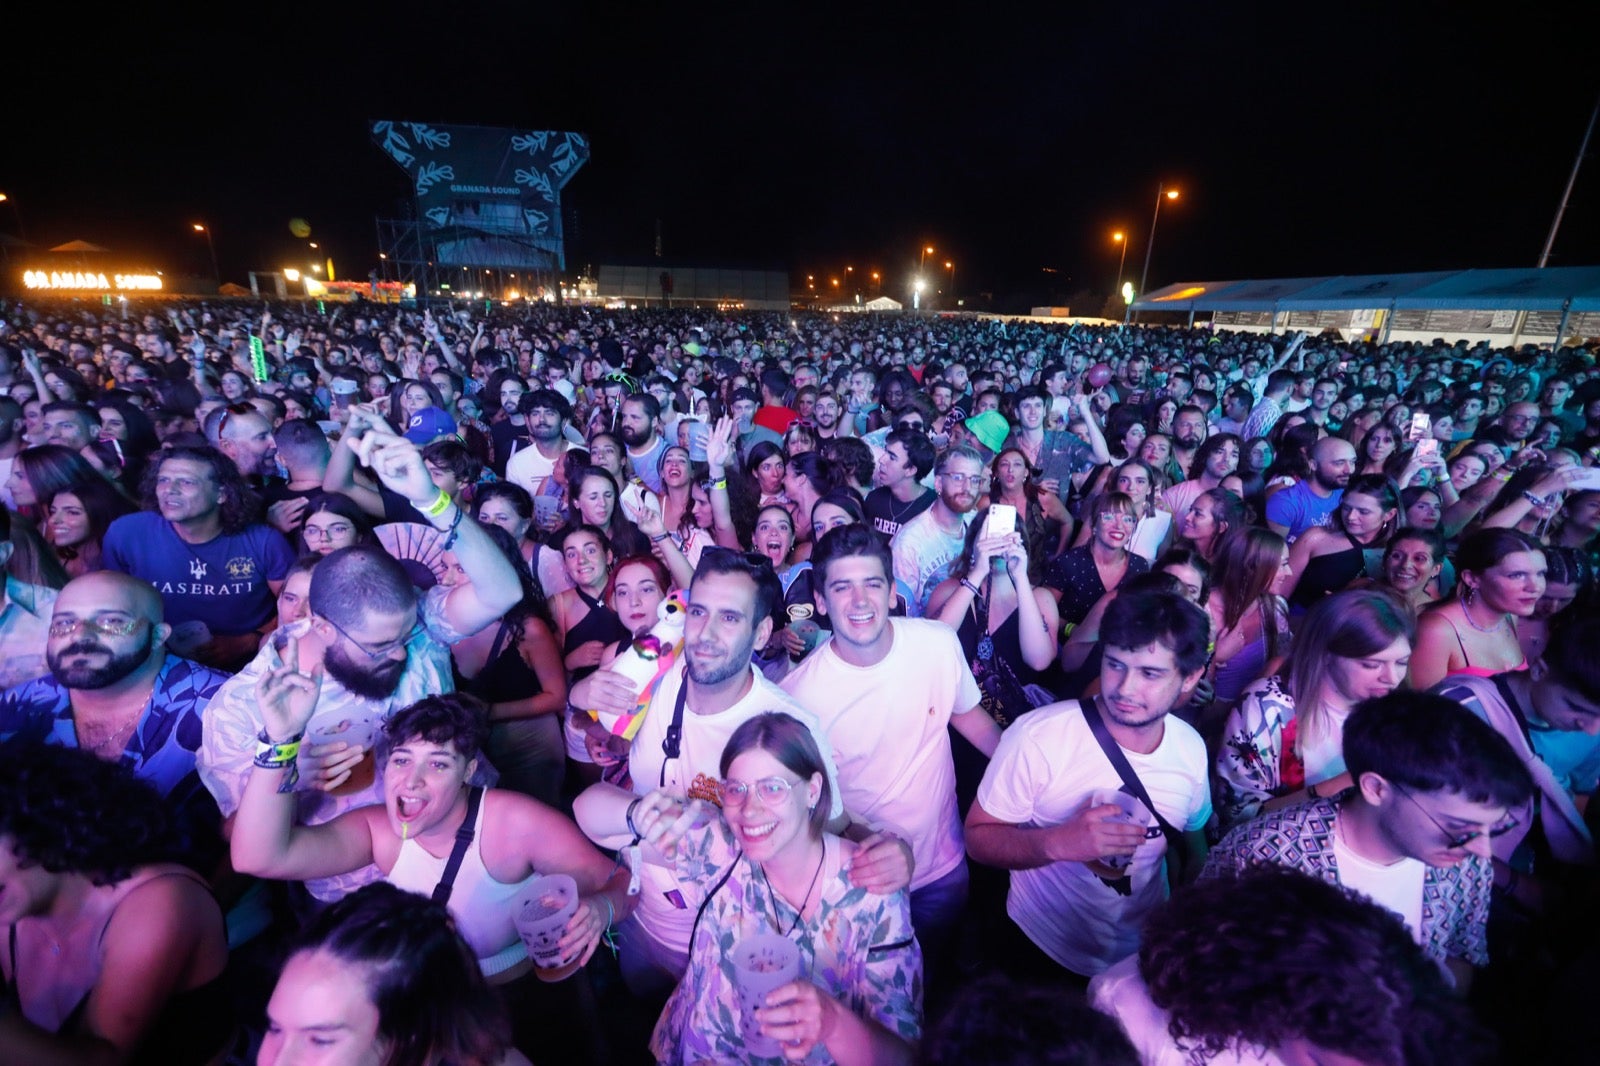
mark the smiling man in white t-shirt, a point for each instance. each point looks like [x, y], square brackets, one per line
[885, 690]
[1083, 876]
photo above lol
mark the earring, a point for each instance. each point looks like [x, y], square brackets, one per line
[1466, 594]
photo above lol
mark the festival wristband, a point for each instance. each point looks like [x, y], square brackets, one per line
[438, 506]
[275, 755]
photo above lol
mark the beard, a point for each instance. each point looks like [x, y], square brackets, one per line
[1326, 482]
[545, 432]
[115, 669]
[714, 673]
[369, 680]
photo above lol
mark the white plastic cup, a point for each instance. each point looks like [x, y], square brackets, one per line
[762, 964]
[1133, 813]
[541, 914]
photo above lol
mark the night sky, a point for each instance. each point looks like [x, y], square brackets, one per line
[1394, 137]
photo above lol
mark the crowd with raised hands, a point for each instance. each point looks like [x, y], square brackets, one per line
[554, 684]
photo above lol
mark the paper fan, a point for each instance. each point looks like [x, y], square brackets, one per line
[419, 548]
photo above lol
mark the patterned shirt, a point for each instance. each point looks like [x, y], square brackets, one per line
[858, 948]
[1455, 899]
[161, 750]
[228, 748]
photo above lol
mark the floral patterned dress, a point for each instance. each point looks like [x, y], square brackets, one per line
[858, 948]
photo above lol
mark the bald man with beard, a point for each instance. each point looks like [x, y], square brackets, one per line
[114, 689]
[1309, 502]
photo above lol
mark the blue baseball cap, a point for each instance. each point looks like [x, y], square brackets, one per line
[428, 425]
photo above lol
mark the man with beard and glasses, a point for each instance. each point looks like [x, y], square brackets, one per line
[679, 747]
[1085, 869]
[639, 414]
[925, 545]
[1309, 502]
[114, 689]
[547, 413]
[377, 648]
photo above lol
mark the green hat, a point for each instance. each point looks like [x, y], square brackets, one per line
[991, 429]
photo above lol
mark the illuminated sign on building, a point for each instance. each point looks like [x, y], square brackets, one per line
[88, 280]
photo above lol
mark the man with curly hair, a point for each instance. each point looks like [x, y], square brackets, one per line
[200, 542]
[1279, 968]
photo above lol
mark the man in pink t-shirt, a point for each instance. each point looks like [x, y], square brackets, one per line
[885, 690]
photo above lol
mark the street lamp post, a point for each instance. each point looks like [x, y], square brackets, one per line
[22, 230]
[922, 260]
[1120, 238]
[200, 227]
[916, 294]
[950, 265]
[1162, 193]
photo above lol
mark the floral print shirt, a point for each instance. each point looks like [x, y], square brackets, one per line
[858, 948]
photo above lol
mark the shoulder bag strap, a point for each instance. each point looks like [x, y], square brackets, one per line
[672, 743]
[1119, 763]
[464, 835]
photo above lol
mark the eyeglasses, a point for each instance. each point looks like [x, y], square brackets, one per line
[1455, 840]
[963, 479]
[66, 627]
[383, 650]
[339, 529]
[772, 790]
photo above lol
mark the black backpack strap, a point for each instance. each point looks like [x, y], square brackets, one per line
[464, 835]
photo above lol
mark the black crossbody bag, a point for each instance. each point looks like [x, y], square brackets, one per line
[1177, 853]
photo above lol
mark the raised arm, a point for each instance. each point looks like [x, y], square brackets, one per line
[265, 840]
[719, 456]
[493, 588]
[1097, 440]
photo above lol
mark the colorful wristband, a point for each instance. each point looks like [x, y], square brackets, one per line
[275, 755]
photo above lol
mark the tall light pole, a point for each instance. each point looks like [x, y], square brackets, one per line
[22, 231]
[1120, 238]
[922, 259]
[950, 265]
[1162, 193]
[200, 227]
[916, 294]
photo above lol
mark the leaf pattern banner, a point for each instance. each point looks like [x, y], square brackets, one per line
[480, 182]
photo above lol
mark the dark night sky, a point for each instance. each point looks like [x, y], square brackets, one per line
[1395, 137]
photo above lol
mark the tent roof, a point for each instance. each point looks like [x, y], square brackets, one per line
[1526, 289]
[79, 246]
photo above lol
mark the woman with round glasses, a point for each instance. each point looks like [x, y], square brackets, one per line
[334, 521]
[765, 865]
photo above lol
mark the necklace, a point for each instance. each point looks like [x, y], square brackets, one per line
[100, 740]
[800, 911]
[1466, 612]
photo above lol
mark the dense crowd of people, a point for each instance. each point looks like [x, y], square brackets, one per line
[558, 685]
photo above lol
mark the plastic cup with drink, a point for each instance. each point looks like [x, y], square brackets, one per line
[762, 964]
[541, 914]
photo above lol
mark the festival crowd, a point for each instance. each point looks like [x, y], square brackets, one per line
[479, 685]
